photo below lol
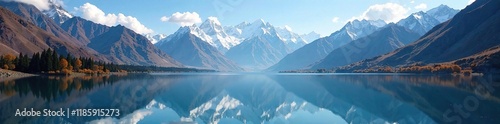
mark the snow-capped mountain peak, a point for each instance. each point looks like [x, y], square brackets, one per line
[57, 12]
[220, 39]
[360, 28]
[155, 38]
[421, 22]
[442, 13]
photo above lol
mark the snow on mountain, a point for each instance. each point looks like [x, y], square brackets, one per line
[248, 30]
[360, 28]
[419, 22]
[293, 40]
[57, 12]
[310, 37]
[442, 13]
[155, 38]
[263, 44]
[220, 39]
[321, 47]
[192, 47]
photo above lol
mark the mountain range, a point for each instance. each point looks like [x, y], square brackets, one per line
[421, 22]
[187, 47]
[260, 45]
[88, 39]
[469, 36]
[320, 48]
[252, 46]
[314, 55]
[387, 39]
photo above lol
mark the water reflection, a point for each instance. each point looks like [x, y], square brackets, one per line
[259, 98]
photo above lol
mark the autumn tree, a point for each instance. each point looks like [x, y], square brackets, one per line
[63, 63]
[8, 61]
[78, 64]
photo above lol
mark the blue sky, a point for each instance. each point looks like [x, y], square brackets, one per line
[303, 16]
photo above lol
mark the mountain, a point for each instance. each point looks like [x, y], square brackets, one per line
[57, 12]
[124, 46]
[84, 30]
[217, 35]
[385, 40]
[258, 52]
[421, 22]
[263, 44]
[32, 15]
[186, 46]
[245, 31]
[320, 48]
[485, 61]
[293, 40]
[473, 30]
[155, 38]
[35, 16]
[442, 13]
[18, 35]
[310, 37]
[119, 44]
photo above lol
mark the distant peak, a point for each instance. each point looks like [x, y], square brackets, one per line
[259, 21]
[212, 20]
[443, 6]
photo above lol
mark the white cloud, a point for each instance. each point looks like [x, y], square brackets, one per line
[421, 6]
[93, 13]
[470, 2]
[412, 1]
[183, 19]
[335, 19]
[164, 19]
[40, 4]
[389, 12]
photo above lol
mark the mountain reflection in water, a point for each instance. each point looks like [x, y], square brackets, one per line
[259, 98]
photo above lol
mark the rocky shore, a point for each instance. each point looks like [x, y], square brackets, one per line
[8, 74]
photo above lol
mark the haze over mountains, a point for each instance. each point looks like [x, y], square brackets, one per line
[258, 45]
[383, 41]
[387, 39]
[471, 35]
[319, 48]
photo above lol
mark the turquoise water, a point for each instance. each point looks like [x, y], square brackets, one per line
[257, 98]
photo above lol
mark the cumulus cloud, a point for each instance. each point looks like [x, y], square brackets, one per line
[183, 19]
[421, 6]
[93, 13]
[335, 19]
[412, 1]
[40, 4]
[389, 12]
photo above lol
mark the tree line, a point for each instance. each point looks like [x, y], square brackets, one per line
[48, 61]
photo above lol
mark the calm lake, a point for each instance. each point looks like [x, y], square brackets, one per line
[256, 98]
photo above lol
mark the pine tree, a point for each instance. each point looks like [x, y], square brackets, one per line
[55, 61]
[34, 64]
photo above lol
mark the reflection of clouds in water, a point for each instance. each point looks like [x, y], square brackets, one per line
[132, 118]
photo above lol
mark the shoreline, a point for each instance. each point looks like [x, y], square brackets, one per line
[10, 75]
